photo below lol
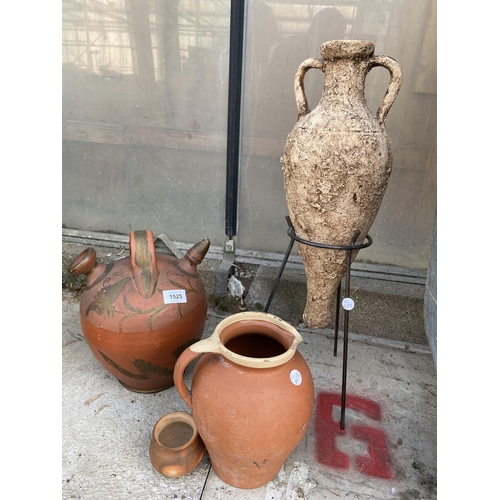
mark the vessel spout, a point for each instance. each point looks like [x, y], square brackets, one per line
[197, 252]
[86, 263]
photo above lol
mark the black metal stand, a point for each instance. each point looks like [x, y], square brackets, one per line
[347, 303]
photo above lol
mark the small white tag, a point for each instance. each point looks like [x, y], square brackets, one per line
[296, 377]
[174, 296]
[348, 304]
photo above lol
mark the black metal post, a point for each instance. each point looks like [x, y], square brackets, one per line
[237, 19]
[346, 332]
[349, 249]
[337, 316]
[278, 278]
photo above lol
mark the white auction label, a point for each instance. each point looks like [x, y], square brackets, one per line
[174, 296]
[348, 304]
[296, 377]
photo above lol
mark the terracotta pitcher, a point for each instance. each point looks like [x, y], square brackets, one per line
[336, 164]
[140, 312]
[252, 396]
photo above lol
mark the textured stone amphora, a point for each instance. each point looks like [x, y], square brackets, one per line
[252, 396]
[140, 312]
[336, 164]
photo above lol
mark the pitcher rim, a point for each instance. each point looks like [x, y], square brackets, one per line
[260, 363]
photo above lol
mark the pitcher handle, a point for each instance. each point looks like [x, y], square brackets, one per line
[298, 83]
[394, 85]
[189, 354]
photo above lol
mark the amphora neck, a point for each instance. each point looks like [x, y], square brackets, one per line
[345, 81]
[347, 64]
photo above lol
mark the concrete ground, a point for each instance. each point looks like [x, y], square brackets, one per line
[388, 449]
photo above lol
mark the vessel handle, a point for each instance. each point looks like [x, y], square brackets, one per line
[298, 83]
[189, 354]
[394, 85]
[143, 261]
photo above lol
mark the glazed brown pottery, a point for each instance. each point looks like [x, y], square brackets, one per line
[252, 396]
[140, 312]
[176, 447]
[336, 164]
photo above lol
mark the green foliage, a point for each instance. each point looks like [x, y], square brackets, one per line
[75, 283]
[226, 303]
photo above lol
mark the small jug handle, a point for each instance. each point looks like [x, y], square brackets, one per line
[188, 355]
[298, 83]
[143, 261]
[394, 85]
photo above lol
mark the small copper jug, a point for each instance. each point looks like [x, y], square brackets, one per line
[176, 447]
[140, 312]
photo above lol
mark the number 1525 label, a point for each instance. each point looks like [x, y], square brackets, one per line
[174, 296]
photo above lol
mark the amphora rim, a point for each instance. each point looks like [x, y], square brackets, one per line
[346, 49]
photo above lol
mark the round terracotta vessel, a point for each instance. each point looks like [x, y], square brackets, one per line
[176, 447]
[336, 164]
[139, 313]
[252, 396]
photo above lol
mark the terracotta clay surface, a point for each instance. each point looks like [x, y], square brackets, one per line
[129, 328]
[336, 164]
[176, 447]
[252, 396]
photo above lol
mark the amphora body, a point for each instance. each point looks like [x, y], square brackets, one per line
[140, 312]
[252, 396]
[336, 164]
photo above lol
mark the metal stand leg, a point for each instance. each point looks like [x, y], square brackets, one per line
[278, 278]
[352, 246]
[346, 332]
[337, 316]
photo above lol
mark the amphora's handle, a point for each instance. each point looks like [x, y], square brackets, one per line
[298, 83]
[188, 355]
[394, 85]
[143, 261]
